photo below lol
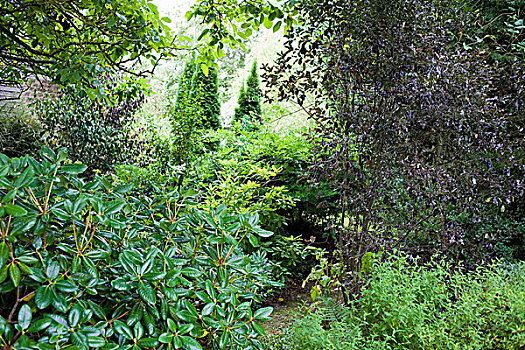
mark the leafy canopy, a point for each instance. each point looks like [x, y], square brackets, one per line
[74, 42]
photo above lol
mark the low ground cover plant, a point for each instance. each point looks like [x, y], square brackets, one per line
[411, 306]
[96, 265]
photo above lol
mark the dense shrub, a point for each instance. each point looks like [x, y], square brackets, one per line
[264, 172]
[408, 306]
[95, 132]
[421, 137]
[20, 134]
[89, 264]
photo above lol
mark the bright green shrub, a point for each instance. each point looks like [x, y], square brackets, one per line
[407, 306]
[89, 264]
[252, 172]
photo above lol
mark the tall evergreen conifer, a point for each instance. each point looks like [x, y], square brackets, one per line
[205, 91]
[185, 85]
[249, 110]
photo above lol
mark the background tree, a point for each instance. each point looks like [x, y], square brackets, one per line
[185, 84]
[249, 109]
[205, 91]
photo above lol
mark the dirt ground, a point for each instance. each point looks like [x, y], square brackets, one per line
[287, 305]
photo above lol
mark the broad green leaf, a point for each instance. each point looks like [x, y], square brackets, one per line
[79, 339]
[258, 328]
[96, 342]
[74, 315]
[14, 210]
[208, 309]
[25, 178]
[74, 169]
[224, 340]
[43, 297]
[9, 196]
[146, 292]
[14, 273]
[4, 254]
[263, 314]
[138, 330]
[149, 343]
[24, 316]
[52, 270]
[165, 338]
[191, 272]
[190, 343]
[123, 330]
[66, 286]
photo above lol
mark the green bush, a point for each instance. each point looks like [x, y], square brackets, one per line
[89, 264]
[253, 172]
[94, 132]
[408, 306]
[19, 134]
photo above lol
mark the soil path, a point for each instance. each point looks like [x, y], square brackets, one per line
[286, 306]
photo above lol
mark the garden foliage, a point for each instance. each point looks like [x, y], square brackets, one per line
[95, 133]
[96, 265]
[421, 136]
[205, 91]
[409, 306]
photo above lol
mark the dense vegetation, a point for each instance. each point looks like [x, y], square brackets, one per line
[129, 222]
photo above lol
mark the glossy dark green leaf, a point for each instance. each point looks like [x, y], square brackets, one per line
[146, 292]
[79, 339]
[24, 316]
[224, 340]
[190, 343]
[96, 342]
[208, 309]
[74, 315]
[43, 297]
[14, 274]
[138, 330]
[149, 342]
[66, 286]
[14, 210]
[258, 328]
[74, 169]
[165, 338]
[4, 254]
[123, 330]
[52, 270]
[25, 178]
[263, 314]
[9, 196]
[39, 325]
